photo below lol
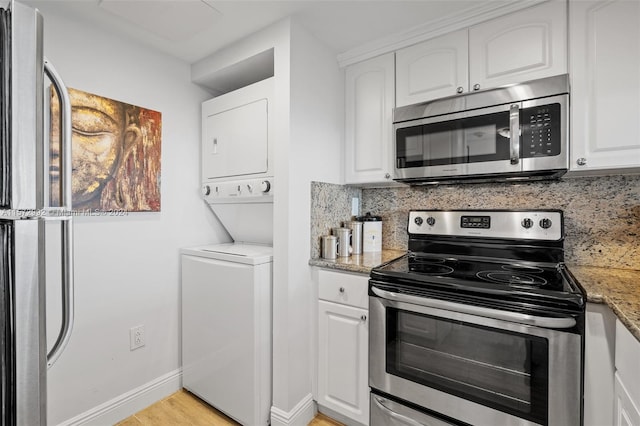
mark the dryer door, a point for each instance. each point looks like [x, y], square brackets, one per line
[235, 141]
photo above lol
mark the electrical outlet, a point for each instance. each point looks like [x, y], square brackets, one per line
[136, 337]
[355, 206]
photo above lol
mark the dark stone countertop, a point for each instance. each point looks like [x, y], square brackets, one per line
[617, 288]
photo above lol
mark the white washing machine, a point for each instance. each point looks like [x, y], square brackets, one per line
[226, 328]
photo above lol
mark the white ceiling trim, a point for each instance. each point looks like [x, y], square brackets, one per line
[431, 29]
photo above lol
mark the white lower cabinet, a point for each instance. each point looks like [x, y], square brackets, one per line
[599, 368]
[626, 411]
[343, 346]
[627, 379]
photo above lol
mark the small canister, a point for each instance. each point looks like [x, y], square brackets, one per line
[329, 247]
[356, 235]
[344, 236]
[371, 233]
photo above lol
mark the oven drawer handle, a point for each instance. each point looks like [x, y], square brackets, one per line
[404, 419]
[533, 320]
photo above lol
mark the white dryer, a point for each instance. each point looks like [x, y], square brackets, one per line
[226, 328]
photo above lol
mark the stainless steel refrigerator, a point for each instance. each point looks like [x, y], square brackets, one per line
[25, 178]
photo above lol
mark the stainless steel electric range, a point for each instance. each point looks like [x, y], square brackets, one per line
[480, 323]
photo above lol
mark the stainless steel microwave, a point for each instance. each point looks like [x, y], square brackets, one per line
[516, 132]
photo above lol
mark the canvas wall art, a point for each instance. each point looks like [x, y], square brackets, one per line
[115, 152]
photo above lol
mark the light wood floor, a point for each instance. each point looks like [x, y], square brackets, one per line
[184, 409]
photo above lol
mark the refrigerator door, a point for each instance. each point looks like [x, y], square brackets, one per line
[23, 208]
[26, 109]
[24, 356]
[5, 110]
[7, 332]
[29, 322]
[22, 321]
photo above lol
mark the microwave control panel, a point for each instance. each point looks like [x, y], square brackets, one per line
[541, 135]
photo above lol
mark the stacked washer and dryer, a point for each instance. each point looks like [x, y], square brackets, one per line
[227, 288]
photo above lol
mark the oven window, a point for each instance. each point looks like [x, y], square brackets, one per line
[503, 370]
[471, 140]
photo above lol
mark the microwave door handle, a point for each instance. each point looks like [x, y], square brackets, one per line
[514, 133]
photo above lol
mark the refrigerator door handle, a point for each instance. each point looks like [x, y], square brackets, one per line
[67, 224]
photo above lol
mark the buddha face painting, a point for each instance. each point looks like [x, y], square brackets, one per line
[105, 133]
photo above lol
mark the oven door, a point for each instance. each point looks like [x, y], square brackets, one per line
[471, 367]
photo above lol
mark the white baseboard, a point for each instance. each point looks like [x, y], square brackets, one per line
[127, 404]
[300, 415]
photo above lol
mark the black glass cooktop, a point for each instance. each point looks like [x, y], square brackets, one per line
[497, 277]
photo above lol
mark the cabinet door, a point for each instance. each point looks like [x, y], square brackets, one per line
[626, 412]
[343, 338]
[521, 46]
[369, 108]
[434, 69]
[605, 88]
[235, 142]
[599, 367]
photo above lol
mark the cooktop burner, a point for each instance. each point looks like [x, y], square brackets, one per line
[512, 278]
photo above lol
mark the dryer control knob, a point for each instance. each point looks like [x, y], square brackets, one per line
[206, 190]
[265, 186]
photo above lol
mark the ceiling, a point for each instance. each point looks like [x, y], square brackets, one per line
[193, 29]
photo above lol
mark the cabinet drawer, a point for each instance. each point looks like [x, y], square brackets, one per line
[345, 288]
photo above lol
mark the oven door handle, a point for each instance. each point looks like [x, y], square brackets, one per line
[533, 320]
[404, 419]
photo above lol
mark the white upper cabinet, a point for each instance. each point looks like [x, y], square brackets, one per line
[436, 68]
[521, 46]
[605, 85]
[369, 102]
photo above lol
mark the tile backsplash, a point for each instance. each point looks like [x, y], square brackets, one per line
[602, 214]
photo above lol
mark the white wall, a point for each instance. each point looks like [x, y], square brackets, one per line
[127, 268]
[314, 153]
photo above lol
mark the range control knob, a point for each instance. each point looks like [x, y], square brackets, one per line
[431, 221]
[527, 223]
[418, 221]
[265, 186]
[206, 190]
[545, 223]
